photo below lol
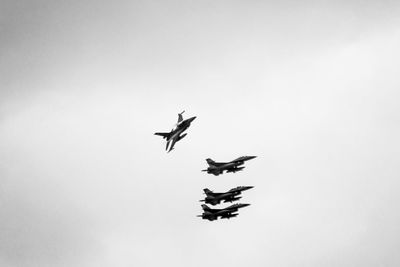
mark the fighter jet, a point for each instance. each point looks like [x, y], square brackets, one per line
[175, 134]
[230, 196]
[226, 213]
[218, 168]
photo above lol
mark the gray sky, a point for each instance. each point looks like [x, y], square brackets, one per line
[310, 87]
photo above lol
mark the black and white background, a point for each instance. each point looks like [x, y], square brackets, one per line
[310, 87]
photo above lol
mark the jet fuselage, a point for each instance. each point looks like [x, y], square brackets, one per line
[218, 168]
[230, 196]
[176, 134]
[226, 213]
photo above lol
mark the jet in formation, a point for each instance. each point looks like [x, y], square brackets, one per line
[176, 134]
[218, 168]
[225, 213]
[230, 196]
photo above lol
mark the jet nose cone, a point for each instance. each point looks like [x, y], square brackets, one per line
[191, 119]
[246, 158]
[247, 187]
[244, 205]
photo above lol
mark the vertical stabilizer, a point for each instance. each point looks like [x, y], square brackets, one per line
[210, 162]
[207, 191]
[180, 117]
[205, 207]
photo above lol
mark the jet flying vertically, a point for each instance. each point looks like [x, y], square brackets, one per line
[226, 213]
[218, 168]
[230, 196]
[176, 134]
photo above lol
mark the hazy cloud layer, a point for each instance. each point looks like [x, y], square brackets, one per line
[311, 88]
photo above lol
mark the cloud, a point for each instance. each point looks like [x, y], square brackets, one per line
[308, 88]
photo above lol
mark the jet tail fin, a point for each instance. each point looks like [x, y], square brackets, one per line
[210, 162]
[207, 191]
[180, 117]
[205, 207]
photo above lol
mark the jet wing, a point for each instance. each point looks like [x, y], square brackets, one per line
[228, 216]
[235, 169]
[231, 199]
[216, 172]
[215, 202]
[164, 135]
[210, 217]
[212, 201]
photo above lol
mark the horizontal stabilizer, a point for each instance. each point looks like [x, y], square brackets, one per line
[164, 135]
[229, 216]
[232, 199]
[216, 172]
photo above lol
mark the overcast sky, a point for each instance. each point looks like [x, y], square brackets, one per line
[310, 87]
